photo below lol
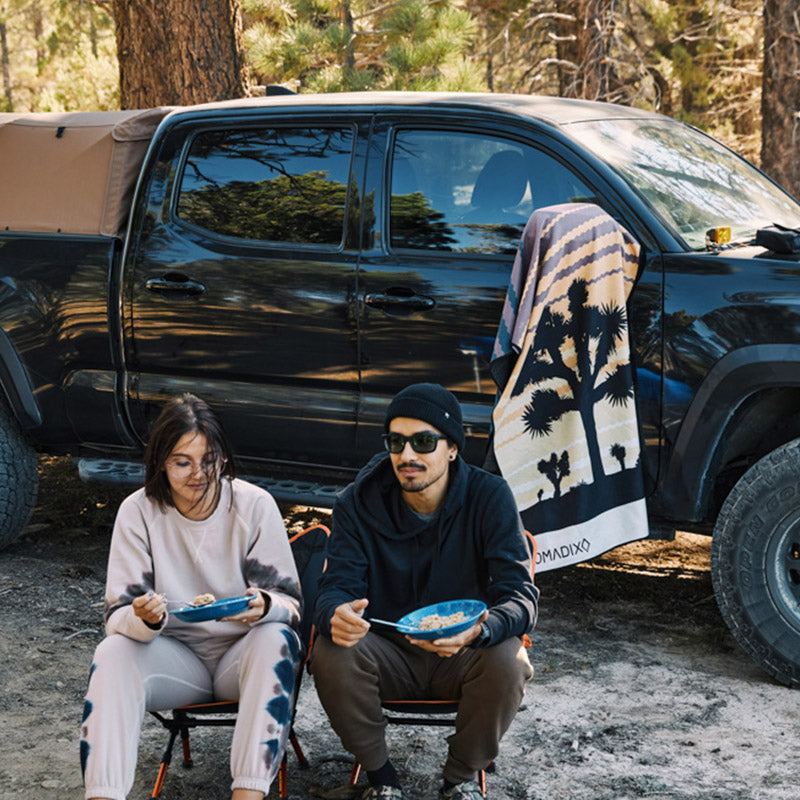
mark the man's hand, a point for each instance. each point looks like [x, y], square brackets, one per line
[450, 645]
[150, 607]
[348, 625]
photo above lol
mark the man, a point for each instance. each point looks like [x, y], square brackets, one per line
[420, 526]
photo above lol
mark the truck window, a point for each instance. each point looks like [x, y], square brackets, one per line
[281, 185]
[466, 192]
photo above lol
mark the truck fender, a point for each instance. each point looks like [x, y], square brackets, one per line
[17, 386]
[735, 377]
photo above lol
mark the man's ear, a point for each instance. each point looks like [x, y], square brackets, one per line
[453, 451]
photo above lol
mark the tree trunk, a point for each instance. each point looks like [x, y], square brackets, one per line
[6, 69]
[38, 35]
[780, 98]
[179, 52]
[583, 44]
[347, 21]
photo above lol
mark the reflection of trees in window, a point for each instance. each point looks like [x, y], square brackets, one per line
[691, 180]
[490, 237]
[414, 224]
[269, 148]
[301, 208]
[269, 184]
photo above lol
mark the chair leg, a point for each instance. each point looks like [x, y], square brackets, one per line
[282, 780]
[187, 753]
[164, 766]
[302, 761]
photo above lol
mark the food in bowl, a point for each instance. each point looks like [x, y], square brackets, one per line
[433, 622]
[203, 600]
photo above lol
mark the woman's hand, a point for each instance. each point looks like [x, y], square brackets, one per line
[256, 608]
[150, 607]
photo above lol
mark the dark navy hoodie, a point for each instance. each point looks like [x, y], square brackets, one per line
[474, 548]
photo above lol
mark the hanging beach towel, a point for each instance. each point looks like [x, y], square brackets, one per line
[566, 436]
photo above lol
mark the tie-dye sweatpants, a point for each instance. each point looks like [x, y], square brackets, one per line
[128, 678]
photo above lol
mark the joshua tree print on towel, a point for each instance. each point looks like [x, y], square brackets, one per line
[593, 333]
[566, 436]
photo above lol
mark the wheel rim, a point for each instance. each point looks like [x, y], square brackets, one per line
[783, 569]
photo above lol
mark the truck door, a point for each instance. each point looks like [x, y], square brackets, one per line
[433, 284]
[242, 281]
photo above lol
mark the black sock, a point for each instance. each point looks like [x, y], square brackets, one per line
[385, 776]
[448, 784]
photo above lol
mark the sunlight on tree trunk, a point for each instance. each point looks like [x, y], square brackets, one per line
[9, 98]
[584, 43]
[180, 52]
[38, 35]
[780, 103]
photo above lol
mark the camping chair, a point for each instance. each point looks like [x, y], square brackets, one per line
[308, 549]
[436, 712]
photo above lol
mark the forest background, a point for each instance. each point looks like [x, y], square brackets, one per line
[729, 67]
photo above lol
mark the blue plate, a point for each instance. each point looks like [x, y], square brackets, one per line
[409, 624]
[216, 610]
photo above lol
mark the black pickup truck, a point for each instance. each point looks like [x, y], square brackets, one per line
[296, 260]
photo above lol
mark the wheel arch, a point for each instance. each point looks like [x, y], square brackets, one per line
[748, 405]
[17, 386]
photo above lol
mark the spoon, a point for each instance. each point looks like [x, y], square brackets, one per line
[386, 622]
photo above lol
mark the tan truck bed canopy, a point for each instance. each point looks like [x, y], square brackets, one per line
[72, 172]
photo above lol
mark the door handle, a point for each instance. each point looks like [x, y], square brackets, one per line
[174, 283]
[393, 302]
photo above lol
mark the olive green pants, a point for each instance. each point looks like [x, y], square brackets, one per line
[489, 683]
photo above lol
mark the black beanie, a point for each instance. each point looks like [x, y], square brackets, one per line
[432, 403]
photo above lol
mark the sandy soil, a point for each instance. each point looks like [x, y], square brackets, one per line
[639, 691]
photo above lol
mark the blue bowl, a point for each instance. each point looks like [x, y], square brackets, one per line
[472, 609]
[216, 610]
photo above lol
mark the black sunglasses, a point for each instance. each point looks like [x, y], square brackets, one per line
[420, 442]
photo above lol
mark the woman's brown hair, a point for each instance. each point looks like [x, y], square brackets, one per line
[182, 415]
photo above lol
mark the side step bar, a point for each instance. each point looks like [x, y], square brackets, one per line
[127, 473]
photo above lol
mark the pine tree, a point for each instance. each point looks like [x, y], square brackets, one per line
[57, 55]
[698, 60]
[352, 45]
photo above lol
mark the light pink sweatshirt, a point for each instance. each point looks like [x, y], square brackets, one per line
[243, 543]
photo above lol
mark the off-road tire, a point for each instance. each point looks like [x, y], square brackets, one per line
[755, 562]
[19, 478]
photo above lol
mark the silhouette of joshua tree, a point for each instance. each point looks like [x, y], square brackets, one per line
[556, 469]
[618, 452]
[587, 325]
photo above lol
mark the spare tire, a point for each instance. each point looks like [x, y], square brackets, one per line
[755, 562]
[19, 478]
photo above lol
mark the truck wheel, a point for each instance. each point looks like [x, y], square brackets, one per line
[755, 562]
[19, 478]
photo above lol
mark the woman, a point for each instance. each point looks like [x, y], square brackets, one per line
[193, 529]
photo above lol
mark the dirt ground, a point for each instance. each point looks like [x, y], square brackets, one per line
[640, 690]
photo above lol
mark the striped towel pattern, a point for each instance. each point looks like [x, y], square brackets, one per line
[566, 436]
